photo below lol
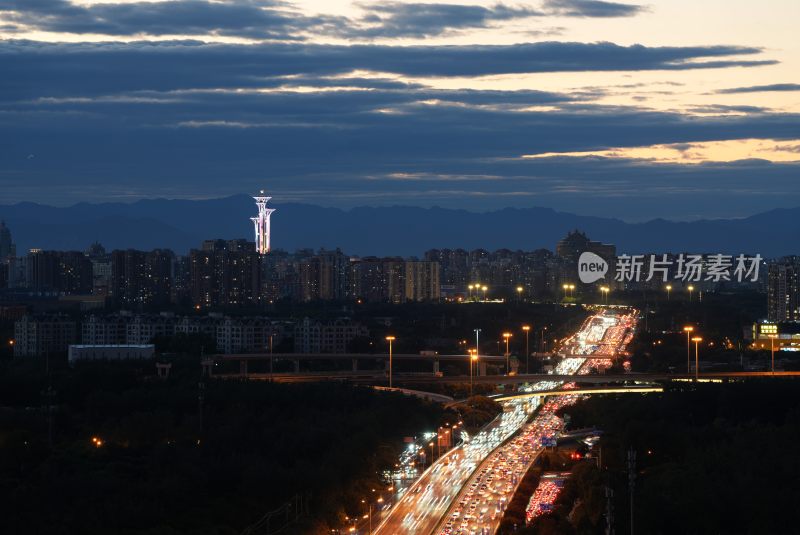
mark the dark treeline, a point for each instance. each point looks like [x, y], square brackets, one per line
[710, 458]
[134, 454]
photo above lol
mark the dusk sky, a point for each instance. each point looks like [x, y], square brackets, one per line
[672, 108]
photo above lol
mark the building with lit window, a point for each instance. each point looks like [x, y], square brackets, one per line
[783, 290]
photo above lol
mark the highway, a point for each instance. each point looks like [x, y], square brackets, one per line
[451, 495]
[423, 504]
[480, 505]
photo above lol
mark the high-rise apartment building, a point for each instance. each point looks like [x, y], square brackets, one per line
[783, 290]
[141, 278]
[68, 272]
[7, 247]
[225, 273]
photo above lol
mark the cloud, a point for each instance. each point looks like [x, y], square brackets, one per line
[31, 69]
[349, 146]
[278, 20]
[257, 19]
[730, 150]
[760, 88]
[591, 8]
[398, 19]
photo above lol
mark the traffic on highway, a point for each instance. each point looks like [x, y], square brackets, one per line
[467, 490]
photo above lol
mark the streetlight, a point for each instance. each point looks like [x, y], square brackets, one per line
[520, 289]
[566, 287]
[571, 293]
[507, 336]
[470, 287]
[696, 341]
[691, 289]
[390, 339]
[688, 330]
[477, 344]
[369, 505]
[541, 338]
[473, 360]
[772, 338]
[527, 329]
[484, 288]
[669, 289]
[605, 290]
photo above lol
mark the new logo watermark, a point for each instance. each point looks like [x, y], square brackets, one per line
[591, 267]
[664, 267]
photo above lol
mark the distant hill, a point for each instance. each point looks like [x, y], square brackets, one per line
[395, 230]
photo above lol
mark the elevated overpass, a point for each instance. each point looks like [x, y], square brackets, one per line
[410, 379]
[595, 379]
[636, 389]
[354, 359]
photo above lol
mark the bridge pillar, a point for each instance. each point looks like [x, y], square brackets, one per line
[243, 368]
[296, 363]
[481, 369]
[355, 365]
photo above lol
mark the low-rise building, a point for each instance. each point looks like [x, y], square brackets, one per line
[332, 337]
[110, 352]
[41, 335]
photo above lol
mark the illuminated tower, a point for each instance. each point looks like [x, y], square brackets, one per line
[262, 223]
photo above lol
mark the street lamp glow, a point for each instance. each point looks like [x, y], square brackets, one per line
[772, 338]
[527, 329]
[696, 341]
[668, 287]
[473, 359]
[507, 336]
[691, 289]
[688, 330]
[605, 290]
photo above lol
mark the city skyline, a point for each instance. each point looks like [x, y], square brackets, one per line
[584, 106]
[534, 268]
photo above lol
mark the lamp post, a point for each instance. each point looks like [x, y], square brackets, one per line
[390, 339]
[369, 514]
[542, 340]
[520, 289]
[605, 290]
[473, 361]
[271, 357]
[688, 330]
[772, 349]
[571, 292]
[669, 289]
[527, 329]
[477, 341]
[696, 341]
[470, 287]
[691, 289]
[507, 336]
[566, 287]
[485, 289]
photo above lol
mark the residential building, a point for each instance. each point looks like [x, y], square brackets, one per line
[42, 335]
